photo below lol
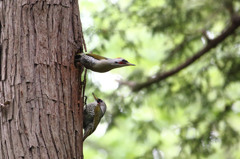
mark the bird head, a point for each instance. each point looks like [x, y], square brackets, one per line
[101, 103]
[120, 62]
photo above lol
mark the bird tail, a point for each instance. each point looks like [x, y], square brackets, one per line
[88, 131]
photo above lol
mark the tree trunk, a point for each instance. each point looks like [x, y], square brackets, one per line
[39, 39]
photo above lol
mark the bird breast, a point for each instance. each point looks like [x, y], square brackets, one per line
[102, 66]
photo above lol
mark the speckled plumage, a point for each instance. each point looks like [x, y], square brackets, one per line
[88, 113]
[87, 61]
[92, 115]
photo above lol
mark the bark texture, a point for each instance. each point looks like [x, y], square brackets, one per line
[39, 39]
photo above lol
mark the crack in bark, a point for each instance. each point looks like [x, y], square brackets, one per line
[51, 133]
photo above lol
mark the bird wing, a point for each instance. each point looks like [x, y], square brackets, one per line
[98, 57]
[97, 117]
[96, 120]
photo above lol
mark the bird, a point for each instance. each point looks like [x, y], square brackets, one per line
[92, 115]
[99, 63]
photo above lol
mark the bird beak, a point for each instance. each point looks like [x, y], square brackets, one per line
[94, 96]
[130, 64]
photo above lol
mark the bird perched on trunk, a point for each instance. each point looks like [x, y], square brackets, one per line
[92, 114]
[99, 63]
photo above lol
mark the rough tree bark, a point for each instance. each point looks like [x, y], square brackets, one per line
[39, 39]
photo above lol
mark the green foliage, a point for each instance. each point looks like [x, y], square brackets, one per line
[193, 114]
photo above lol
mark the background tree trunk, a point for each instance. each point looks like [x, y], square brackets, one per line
[38, 77]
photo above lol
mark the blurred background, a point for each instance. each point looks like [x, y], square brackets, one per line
[194, 113]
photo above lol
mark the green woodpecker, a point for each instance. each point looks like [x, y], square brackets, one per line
[99, 63]
[92, 114]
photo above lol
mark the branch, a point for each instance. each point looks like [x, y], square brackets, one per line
[235, 23]
[180, 47]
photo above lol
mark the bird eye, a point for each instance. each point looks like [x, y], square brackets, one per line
[115, 62]
[99, 100]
